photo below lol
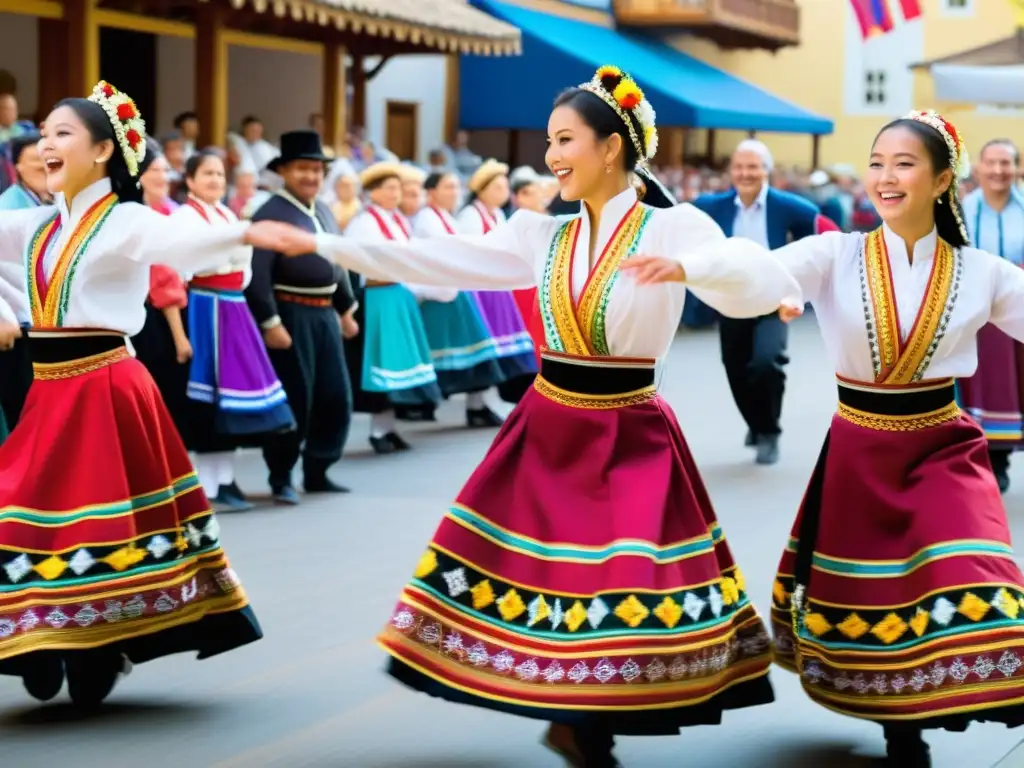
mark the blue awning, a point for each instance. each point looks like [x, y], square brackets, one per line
[516, 92]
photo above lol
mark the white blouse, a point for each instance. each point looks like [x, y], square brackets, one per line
[737, 277]
[111, 282]
[365, 227]
[828, 268]
[239, 257]
[472, 218]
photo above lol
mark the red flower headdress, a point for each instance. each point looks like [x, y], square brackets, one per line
[958, 160]
[129, 127]
[620, 92]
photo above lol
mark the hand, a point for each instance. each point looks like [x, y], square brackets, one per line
[790, 310]
[8, 333]
[277, 338]
[349, 327]
[183, 350]
[647, 270]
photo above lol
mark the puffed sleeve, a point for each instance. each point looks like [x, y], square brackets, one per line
[1007, 311]
[737, 277]
[503, 259]
[166, 288]
[184, 242]
[810, 261]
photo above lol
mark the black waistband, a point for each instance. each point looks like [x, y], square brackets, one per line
[595, 379]
[912, 402]
[63, 349]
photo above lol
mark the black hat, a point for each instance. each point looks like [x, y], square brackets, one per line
[299, 145]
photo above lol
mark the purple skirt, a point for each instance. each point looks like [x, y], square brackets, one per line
[508, 329]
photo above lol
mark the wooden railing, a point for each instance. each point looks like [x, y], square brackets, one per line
[773, 23]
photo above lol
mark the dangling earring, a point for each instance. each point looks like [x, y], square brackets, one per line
[607, 169]
[938, 200]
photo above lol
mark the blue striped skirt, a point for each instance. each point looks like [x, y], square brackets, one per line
[464, 353]
[396, 353]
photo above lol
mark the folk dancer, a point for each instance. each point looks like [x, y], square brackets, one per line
[488, 192]
[463, 352]
[28, 191]
[898, 598]
[236, 398]
[300, 304]
[508, 622]
[390, 360]
[754, 349]
[107, 577]
[994, 395]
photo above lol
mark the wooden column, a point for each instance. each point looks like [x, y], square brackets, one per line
[82, 35]
[358, 91]
[452, 88]
[334, 92]
[211, 75]
[53, 66]
[815, 151]
[711, 149]
[513, 149]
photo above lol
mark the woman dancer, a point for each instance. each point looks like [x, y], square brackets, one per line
[109, 547]
[235, 395]
[898, 599]
[463, 350]
[581, 577]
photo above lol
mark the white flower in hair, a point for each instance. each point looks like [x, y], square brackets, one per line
[129, 127]
[645, 114]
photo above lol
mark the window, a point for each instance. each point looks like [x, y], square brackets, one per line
[875, 88]
[958, 7]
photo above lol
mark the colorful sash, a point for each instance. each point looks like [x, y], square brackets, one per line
[897, 360]
[578, 328]
[48, 299]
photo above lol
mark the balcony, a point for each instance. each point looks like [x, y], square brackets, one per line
[765, 24]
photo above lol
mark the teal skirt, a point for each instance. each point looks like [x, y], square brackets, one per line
[396, 354]
[464, 353]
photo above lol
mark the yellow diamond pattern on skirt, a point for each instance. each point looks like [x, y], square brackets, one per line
[730, 591]
[890, 629]
[669, 611]
[483, 594]
[853, 626]
[920, 621]
[511, 605]
[817, 624]
[51, 567]
[1006, 604]
[427, 564]
[779, 592]
[741, 581]
[575, 616]
[973, 607]
[632, 611]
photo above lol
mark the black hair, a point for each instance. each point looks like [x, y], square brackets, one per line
[521, 183]
[20, 143]
[183, 118]
[947, 208]
[195, 161]
[655, 195]
[434, 180]
[249, 120]
[95, 119]
[604, 121]
[153, 152]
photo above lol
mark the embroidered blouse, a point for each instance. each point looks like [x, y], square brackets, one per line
[737, 277]
[239, 257]
[88, 267]
[887, 319]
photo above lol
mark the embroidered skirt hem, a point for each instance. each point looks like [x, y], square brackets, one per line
[396, 355]
[908, 615]
[994, 395]
[125, 550]
[462, 351]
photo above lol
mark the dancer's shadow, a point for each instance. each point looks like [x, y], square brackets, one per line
[121, 712]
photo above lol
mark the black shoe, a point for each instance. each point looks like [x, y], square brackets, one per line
[397, 441]
[382, 445]
[285, 494]
[226, 501]
[234, 491]
[906, 749]
[767, 449]
[1003, 481]
[322, 484]
[92, 675]
[750, 441]
[46, 676]
[483, 417]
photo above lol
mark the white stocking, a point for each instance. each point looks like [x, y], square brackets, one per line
[382, 423]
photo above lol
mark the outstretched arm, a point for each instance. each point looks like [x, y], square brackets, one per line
[500, 260]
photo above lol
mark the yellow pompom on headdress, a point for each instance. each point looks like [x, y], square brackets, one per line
[129, 127]
[620, 92]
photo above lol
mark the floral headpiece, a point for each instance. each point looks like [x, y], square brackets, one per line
[129, 128]
[958, 160]
[620, 92]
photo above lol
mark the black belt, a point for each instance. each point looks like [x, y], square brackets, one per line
[594, 378]
[64, 349]
[898, 402]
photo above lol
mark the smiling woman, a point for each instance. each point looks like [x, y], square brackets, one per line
[581, 576]
[109, 549]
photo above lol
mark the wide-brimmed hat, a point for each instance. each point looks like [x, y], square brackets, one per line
[485, 174]
[379, 172]
[299, 145]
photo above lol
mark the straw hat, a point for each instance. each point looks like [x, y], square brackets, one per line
[378, 172]
[485, 174]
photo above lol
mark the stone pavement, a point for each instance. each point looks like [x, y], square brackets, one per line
[323, 578]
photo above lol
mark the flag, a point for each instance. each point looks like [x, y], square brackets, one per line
[873, 17]
[911, 9]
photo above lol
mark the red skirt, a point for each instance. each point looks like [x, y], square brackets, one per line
[106, 537]
[582, 572]
[909, 605]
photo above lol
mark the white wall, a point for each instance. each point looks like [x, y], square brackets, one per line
[891, 55]
[418, 78]
[19, 41]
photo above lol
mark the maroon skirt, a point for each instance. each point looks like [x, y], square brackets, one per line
[898, 597]
[581, 573]
[994, 395]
